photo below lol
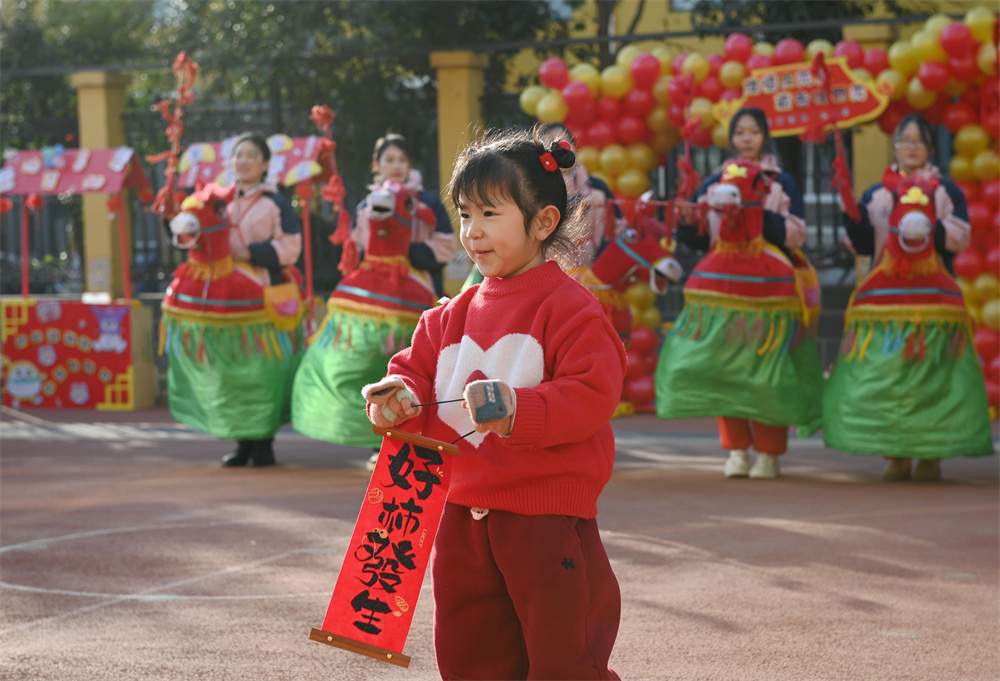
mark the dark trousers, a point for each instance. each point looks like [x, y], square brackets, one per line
[522, 597]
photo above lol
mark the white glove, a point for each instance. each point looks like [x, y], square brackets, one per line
[491, 406]
[389, 402]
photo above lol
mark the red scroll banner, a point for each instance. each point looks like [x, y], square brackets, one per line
[379, 583]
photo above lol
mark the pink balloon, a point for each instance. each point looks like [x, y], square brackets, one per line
[758, 61]
[576, 94]
[609, 109]
[933, 76]
[638, 102]
[853, 51]
[788, 51]
[876, 61]
[956, 39]
[645, 71]
[554, 73]
[738, 47]
[710, 89]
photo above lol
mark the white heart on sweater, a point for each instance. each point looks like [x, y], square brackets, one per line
[516, 359]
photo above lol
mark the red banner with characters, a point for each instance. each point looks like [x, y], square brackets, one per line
[379, 583]
[67, 354]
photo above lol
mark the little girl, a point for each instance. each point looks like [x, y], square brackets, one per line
[522, 585]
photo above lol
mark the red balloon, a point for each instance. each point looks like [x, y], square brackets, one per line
[964, 69]
[702, 137]
[992, 124]
[957, 116]
[933, 76]
[980, 217]
[788, 51]
[638, 102]
[969, 264]
[876, 61]
[728, 95]
[758, 61]
[554, 73]
[641, 391]
[645, 71]
[935, 112]
[715, 61]
[678, 90]
[676, 115]
[890, 118]
[636, 365]
[971, 97]
[956, 39]
[609, 109]
[576, 94]
[582, 115]
[994, 370]
[633, 130]
[993, 261]
[677, 62]
[971, 191]
[993, 393]
[738, 47]
[982, 242]
[579, 132]
[710, 89]
[990, 195]
[987, 344]
[650, 361]
[644, 340]
[853, 51]
[601, 134]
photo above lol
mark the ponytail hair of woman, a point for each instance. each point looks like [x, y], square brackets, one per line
[519, 166]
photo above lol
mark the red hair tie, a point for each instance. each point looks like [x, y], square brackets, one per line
[549, 162]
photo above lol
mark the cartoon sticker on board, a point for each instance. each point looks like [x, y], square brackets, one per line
[24, 383]
[79, 393]
[109, 321]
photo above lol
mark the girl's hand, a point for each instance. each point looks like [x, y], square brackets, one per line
[389, 402]
[491, 406]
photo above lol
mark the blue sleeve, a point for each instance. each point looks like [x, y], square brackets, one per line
[862, 233]
[289, 220]
[263, 254]
[433, 202]
[791, 188]
[957, 197]
[688, 234]
[602, 186]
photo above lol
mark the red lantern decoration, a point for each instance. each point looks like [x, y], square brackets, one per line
[645, 71]
[969, 264]
[738, 47]
[5, 205]
[34, 201]
[956, 39]
[114, 203]
[609, 109]
[304, 190]
[933, 76]
[788, 51]
[146, 195]
[958, 115]
[853, 51]
[876, 61]
[554, 73]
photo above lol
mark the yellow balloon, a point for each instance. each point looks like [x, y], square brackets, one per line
[589, 76]
[896, 81]
[954, 87]
[819, 46]
[731, 75]
[968, 292]
[935, 24]
[696, 66]
[590, 157]
[639, 296]
[986, 59]
[552, 107]
[665, 55]
[918, 96]
[616, 81]
[641, 157]
[986, 165]
[650, 318]
[606, 179]
[864, 75]
[720, 136]
[990, 314]
[614, 159]
[626, 55]
[701, 107]
[980, 22]
[927, 47]
[661, 90]
[662, 142]
[658, 120]
[763, 47]
[632, 183]
[902, 58]
[970, 140]
[987, 287]
[529, 97]
[960, 169]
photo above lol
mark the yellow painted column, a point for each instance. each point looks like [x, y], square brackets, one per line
[460, 120]
[100, 108]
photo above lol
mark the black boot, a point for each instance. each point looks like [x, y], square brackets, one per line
[262, 453]
[239, 456]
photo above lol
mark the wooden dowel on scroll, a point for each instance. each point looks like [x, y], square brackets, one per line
[353, 646]
[414, 439]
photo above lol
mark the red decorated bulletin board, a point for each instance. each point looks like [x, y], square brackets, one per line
[70, 355]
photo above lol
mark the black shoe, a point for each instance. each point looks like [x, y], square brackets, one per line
[262, 454]
[238, 457]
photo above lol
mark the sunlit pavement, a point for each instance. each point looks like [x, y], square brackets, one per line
[127, 553]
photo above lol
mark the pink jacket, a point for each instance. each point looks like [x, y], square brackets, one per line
[256, 219]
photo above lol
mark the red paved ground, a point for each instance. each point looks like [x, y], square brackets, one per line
[127, 553]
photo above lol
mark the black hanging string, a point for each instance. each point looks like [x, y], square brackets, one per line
[425, 404]
[463, 436]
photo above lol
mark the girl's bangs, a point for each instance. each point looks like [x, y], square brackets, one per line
[484, 181]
